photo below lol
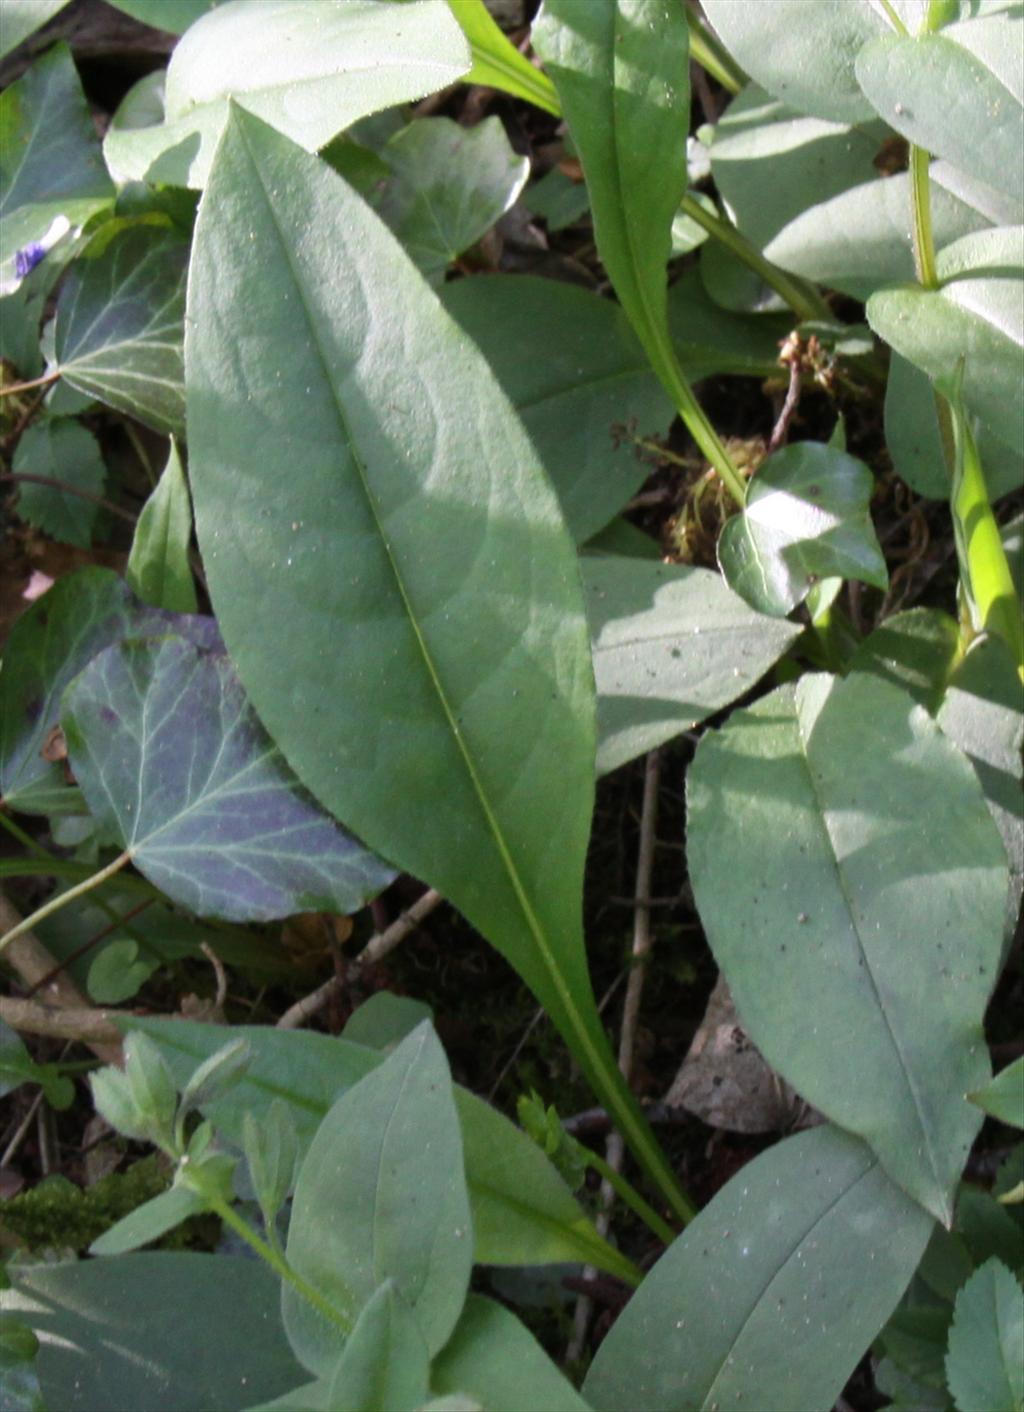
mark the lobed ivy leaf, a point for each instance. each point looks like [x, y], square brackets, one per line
[806, 1250]
[60, 449]
[943, 98]
[309, 68]
[172, 759]
[158, 567]
[446, 670]
[52, 175]
[985, 1361]
[670, 646]
[861, 938]
[119, 324]
[806, 518]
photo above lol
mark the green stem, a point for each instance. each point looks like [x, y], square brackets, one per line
[895, 20]
[628, 1193]
[924, 242]
[266, 1252]
[43, 866]
[707, 49]
[63, 898]
[26, 840]
[14, 387]
[802, 298]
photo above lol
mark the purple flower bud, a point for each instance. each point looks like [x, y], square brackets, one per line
[27, 259]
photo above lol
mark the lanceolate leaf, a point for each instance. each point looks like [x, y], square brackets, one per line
[308, 67]
[806, 518]
[381, 1196]
[385, 1362]
[119, 325]
[852, 885]
[171, 758]
[768, 1298]
[671, 645]
[1004, 1096]
[158, 567]
[51, 168]
[497, 63]
[435, 691]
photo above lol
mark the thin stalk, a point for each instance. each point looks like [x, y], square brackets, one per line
[44, 381]
[48, 866]
[894, 19]
[266, 1252]
[25, 839]
[707, 49]
[924, 241]
[802, 298]
[628, 1193]
[62, 899]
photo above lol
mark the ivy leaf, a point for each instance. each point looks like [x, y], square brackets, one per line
[171, 758]
[51, 167]
[119, 324]
[806, 518]
[307, 67]
[868, 911]
[464, 679]
[61, 449]
[158, 567]
[985, 1361]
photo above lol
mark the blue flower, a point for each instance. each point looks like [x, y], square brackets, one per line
[27, 259]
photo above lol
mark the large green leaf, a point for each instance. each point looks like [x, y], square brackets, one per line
[119, 324]
[51, 167]
[943, 98]
[671, 645]
[174, 763]
[24, 17]
[976, 318]
[385, 1363]
[523, 1212]
[803, 55]
[450, 658]
[381, 1195]
[158, 567]
[575, 372]
[60, 449]
[806, 518]
[770, 1297]
[861, 935]
[622, 77]
[308, 67]
[492, 1357]
[135, 1332]
[985, 1362]
[916, 649]
[48, 646]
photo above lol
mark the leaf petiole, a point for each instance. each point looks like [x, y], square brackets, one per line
[94, 880]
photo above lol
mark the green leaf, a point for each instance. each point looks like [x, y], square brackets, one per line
[1004, 1096]
[975, 319]
[769, 1297]
[381, 1195]
[48, 646]
[16, 1064]
[449, 185]
[231, 836]
[306, 67]
[62, 450]
[119, 972]
[523, 1213]
[148, 1222]
[271, 1147]
[24, 17]
[867, 909]
[216, 1076]
[119, 324]
[806, 518]
[623, 80]
[804, 56]
[465, 671]
[916, 650]
[670, 645]
[981, 712]
[383, 1021]
[158, 567]
[385, 1363]
[174, 16]
[136, 1332]
[497, 63]
[944, 99]
[51, 169]
[985, 1362]
[493, 1358]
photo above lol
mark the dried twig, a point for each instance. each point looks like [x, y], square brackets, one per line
[375, 950]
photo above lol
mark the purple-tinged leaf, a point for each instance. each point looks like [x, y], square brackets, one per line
[171, 757]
